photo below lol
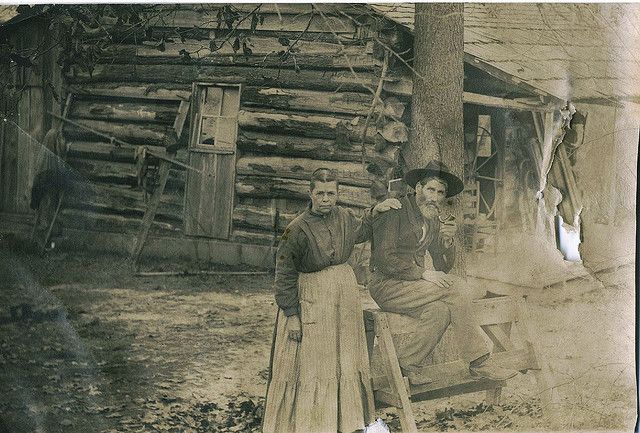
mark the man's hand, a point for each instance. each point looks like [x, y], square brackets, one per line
[388, 204]
[438, 278]
[448, 231]
[294, 328]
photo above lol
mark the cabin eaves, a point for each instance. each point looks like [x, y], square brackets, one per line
[577, 52]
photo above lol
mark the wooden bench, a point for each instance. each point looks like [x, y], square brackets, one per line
[497, 315]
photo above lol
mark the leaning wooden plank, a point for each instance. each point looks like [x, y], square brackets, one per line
[310, 147]
[349, 173]
[258, 186]
[151, 210]
[392, 370]
[181, 118]
[499, 338]
[268, 77]
[308, 125]
[56, 212]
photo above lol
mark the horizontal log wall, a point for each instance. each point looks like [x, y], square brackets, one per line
[297, 113]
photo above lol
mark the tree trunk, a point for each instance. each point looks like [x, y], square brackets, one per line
[436, 106]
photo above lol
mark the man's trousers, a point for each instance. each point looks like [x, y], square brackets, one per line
[436, 308]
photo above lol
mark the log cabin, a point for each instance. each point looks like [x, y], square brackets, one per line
[263, 94]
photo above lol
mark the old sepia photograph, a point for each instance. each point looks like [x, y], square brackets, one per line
[318, 217]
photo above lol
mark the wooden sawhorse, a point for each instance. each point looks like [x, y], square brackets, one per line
[497, 315]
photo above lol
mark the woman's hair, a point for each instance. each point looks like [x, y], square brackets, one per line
[439, 179]
[322, 175]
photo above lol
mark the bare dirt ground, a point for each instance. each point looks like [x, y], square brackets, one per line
[86, 346]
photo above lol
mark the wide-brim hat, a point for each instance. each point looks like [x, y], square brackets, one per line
[436, 169]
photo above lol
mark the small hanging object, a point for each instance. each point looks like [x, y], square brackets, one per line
[483, 136]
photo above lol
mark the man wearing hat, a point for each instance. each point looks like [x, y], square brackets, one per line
[400, 283]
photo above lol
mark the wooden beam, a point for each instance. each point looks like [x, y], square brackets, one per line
[353, 57]
[342, 80]
[349, 173]
[260, 218]
[272, 187]
[520, 104]
[506, 77]
[310, 147]
[164, 92]
[404, 87]
[307, 125]
[190, 18]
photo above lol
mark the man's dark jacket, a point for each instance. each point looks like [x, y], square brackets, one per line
[400, 239]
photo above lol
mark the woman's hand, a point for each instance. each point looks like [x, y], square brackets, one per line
[388, 204]
[438, 278]
[294, 328]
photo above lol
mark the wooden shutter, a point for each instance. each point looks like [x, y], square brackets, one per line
[212, 150]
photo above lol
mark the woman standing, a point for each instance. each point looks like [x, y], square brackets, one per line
[319, 378]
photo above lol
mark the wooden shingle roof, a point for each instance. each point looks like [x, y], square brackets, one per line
[572, 51]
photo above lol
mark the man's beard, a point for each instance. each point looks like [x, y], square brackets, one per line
[429, 210]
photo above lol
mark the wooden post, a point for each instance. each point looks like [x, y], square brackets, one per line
[47, 235]
[392, 370]
[151, 210]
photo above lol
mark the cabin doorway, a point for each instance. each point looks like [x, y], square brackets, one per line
[209, 195]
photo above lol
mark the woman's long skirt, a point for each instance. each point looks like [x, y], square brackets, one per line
[321, 384]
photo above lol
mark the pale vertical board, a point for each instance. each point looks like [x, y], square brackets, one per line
[23, 155]
[3, 145]
[192, 195]
[223, 206]
[231, 102]
[207, 194]
[213, 100]
[10, 164]
[36, 130]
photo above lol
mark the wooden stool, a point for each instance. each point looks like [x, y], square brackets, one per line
[497, 315]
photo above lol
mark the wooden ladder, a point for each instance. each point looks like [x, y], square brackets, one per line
[498, 316]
